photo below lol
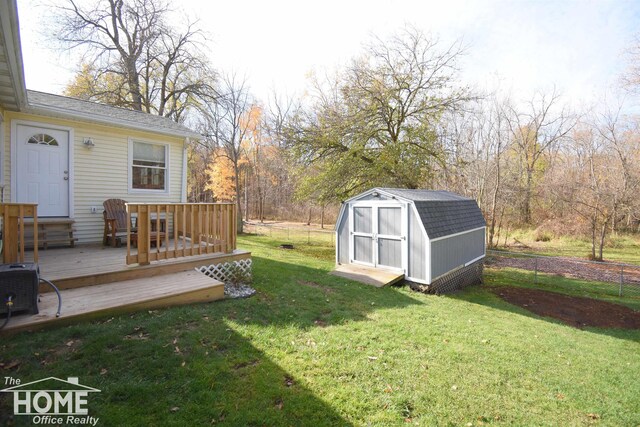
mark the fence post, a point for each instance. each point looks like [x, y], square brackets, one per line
[621, 280]
[535, 274]
[308, 237]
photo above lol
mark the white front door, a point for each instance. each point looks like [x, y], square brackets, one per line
[42, 174]
[378, 235]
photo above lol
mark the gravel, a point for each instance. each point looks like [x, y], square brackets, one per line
[238, 290]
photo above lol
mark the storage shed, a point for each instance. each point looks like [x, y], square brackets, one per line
[436, 238]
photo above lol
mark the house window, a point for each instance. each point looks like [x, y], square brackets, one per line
[42, 139]
[149, 166]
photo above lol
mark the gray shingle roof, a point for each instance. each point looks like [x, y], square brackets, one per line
[93, 111]
[442, 212]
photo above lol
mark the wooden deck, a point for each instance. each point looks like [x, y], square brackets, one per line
[368, 275]
[130, 295]
[94, 280]
[88, 265]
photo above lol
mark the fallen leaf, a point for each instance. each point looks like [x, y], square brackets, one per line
[175, 409]
[11, 365]
[69, 343]
[454, 387]
[372, 358]
[103, 371]
[279, 404]
[593, 416]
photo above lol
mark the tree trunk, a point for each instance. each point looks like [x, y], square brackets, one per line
[526, 208]
[134, 85]
[593, 238]
[603, 232]
[322, 217]
[238, 194]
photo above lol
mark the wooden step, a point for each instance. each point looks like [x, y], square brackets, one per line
[111, 298]
[51, 231]
[368, 275]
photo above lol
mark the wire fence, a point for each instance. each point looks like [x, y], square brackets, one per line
[590, 277]
[602, 278]
[292, 235]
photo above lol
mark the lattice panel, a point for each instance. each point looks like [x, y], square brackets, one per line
[459, 279]
[229, 271]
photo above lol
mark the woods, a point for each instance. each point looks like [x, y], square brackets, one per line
[398, 115]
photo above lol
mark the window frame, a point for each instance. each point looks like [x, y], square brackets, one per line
[167, 180]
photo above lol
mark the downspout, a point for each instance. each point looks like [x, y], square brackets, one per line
[183, 196]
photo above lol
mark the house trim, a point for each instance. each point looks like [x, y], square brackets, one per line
[183, 195]
[14, 158]
[167, 178]
[11, 37]
[457, 234]
[2, 167]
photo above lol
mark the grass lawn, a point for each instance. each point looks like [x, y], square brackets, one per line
[618, 248]
[312, 349]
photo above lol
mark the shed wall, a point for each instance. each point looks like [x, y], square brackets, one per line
[417, 248]
[453, 252]
[343, 236]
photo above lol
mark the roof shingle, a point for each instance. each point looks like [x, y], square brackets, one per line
[107, 114]
[443, 213]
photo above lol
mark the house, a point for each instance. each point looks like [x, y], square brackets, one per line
[69, 155]
[436, 239]
[60, 159]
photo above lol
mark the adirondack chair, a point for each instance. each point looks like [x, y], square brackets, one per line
[115, 220]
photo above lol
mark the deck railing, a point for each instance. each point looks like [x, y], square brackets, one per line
[13, 230]
[179, 230]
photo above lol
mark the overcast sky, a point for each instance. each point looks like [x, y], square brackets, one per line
[576, 46]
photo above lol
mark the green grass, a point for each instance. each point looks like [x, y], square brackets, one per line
[618, 248]
[312, 349]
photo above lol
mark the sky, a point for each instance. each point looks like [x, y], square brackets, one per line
[576, 47]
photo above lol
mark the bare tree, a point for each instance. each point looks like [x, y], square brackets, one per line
[133, 58]
[536, 129]
[226, 127]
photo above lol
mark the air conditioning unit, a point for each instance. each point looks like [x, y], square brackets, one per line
[20, 282]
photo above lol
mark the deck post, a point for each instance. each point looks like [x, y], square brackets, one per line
[13, 215]
[144, 240]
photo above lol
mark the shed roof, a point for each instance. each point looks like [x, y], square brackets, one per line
[442, 213]
[67, 107]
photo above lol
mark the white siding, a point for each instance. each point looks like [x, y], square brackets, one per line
[102, 172]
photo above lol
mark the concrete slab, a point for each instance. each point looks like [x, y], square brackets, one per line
[368, 275]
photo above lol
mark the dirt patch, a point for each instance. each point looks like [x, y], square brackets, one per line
[326, 289]
[245, 364]
[575, 311]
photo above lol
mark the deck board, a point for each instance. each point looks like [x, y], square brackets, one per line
[88, 265]
[367, 275]
[130, 295]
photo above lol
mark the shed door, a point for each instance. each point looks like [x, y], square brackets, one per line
[377, 235]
